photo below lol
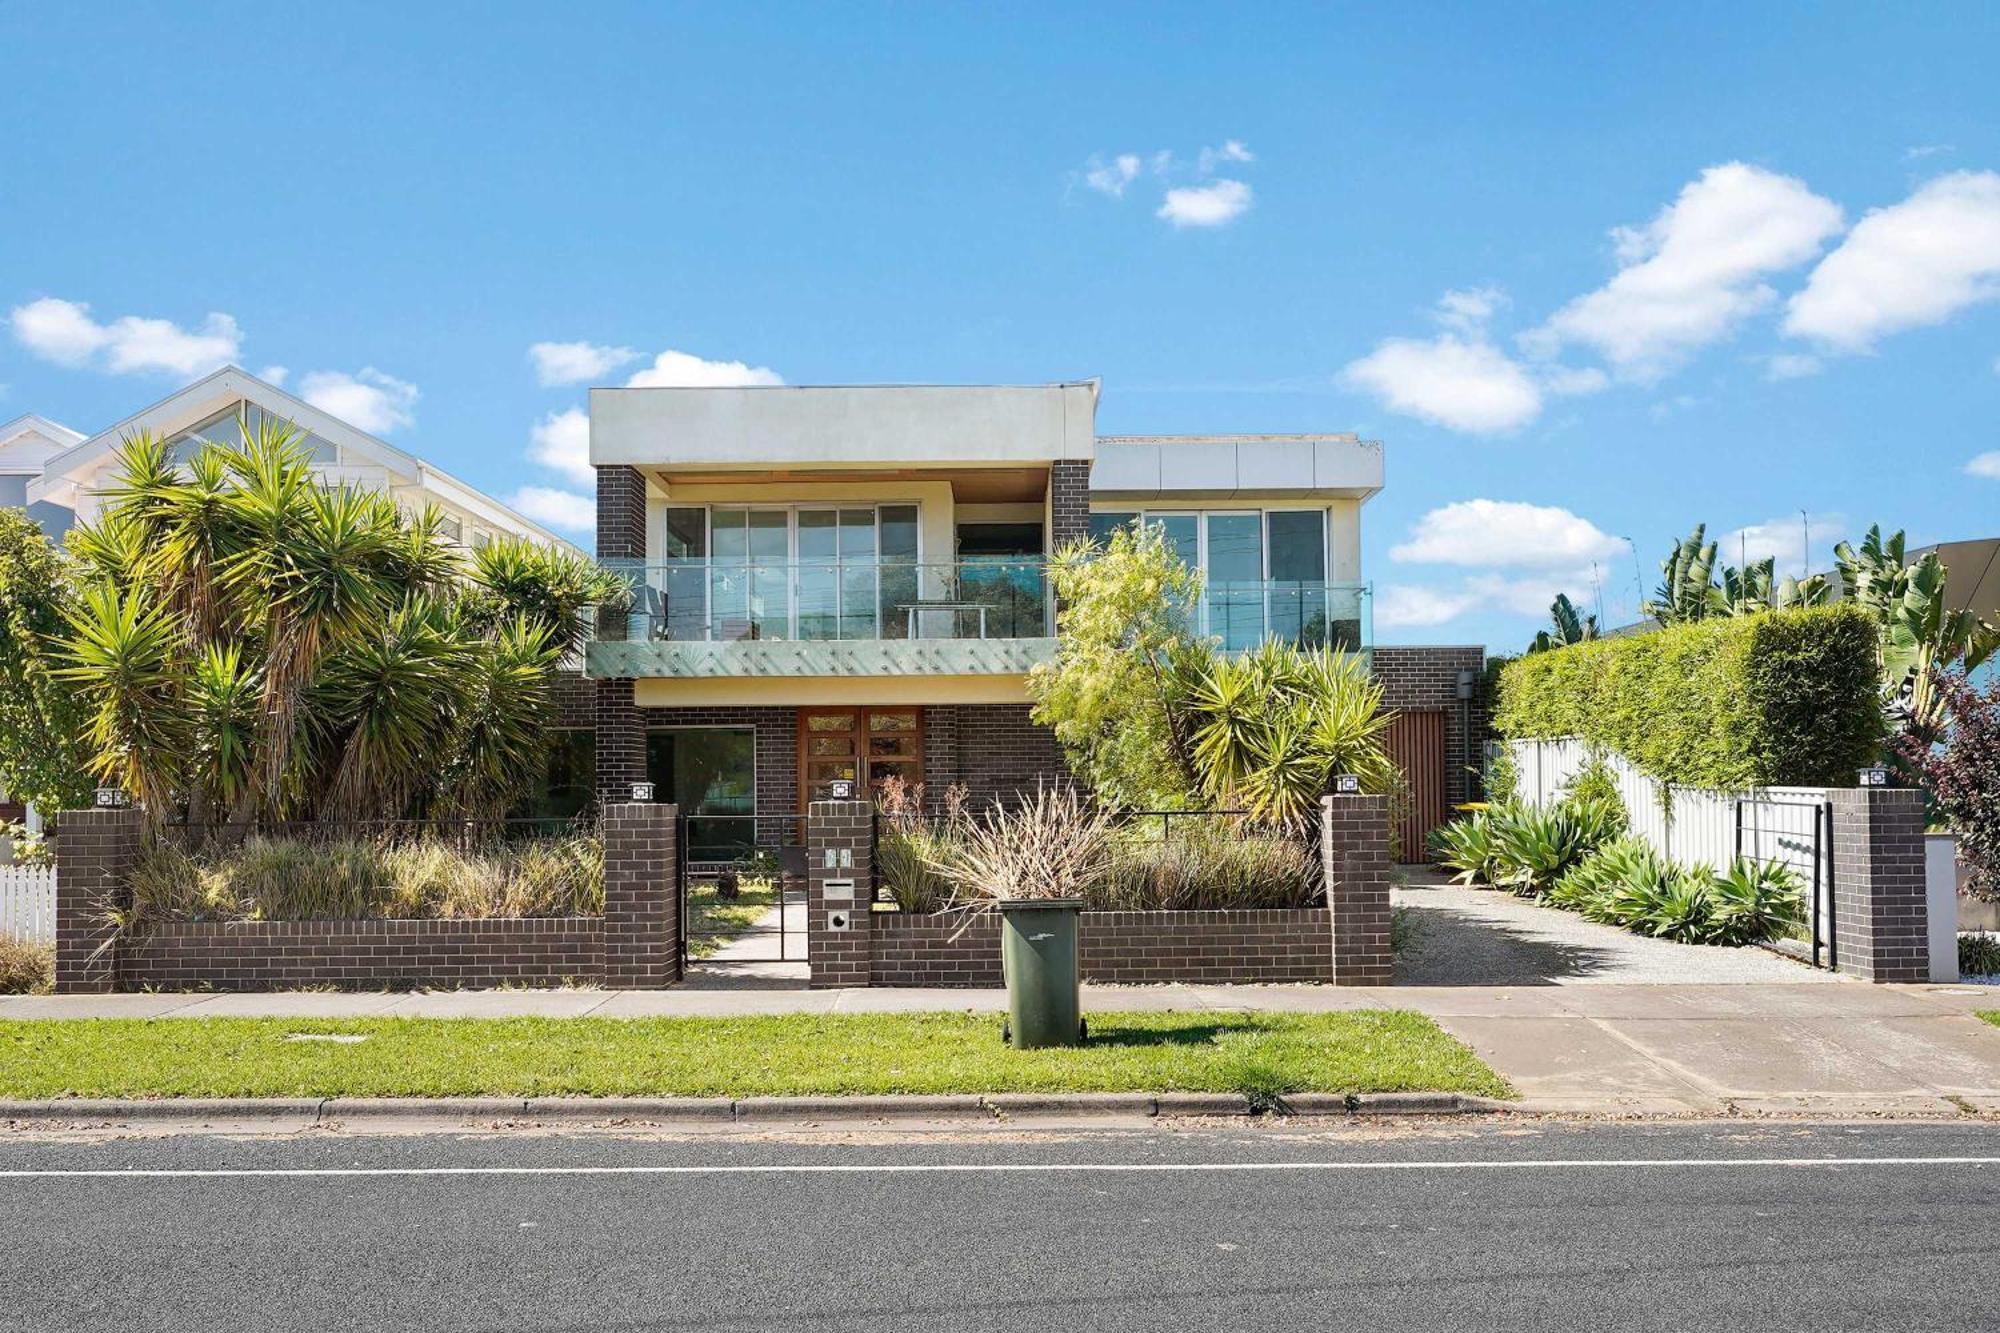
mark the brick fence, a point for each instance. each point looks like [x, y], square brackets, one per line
[1880, 909]
[634, 945]
[1345, 943]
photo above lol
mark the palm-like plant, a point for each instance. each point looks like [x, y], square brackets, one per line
[259, 643]
[1268, 730]
[1568, 626]
[1923, 636]
[1687, 588]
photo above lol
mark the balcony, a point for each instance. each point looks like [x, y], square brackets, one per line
[713, 617]
[717, 618]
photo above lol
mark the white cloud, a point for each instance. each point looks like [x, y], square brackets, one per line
[1111, 178]
[682, 370]
[1232, 150]
[1573, 381]
[1210, 205]
[1902, 267]
[1469, 309]
[367, 400]
[1781, 539]
[1465, 385]
[274, 375]
[1404, 606]
[576, 363]
[1792, 366]
[1985, 465]
[561, 441]
[63, 332]
[558, 509]
[1491, 533]
[1693, 273]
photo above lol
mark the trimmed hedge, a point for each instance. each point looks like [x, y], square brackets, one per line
[1786, 698]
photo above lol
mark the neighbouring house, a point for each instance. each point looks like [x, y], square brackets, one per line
[846, 583]
[69, 482]
[27, 443]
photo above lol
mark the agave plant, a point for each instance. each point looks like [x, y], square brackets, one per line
[1465, 847]
[1532, 847]
[1755, 901]
[1680, 907]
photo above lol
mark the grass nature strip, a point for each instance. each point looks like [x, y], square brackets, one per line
[768, 1055]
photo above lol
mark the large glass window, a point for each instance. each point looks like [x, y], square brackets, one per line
[1265, 570]
[567, 781]
[1236, 579]
[225, 430]
[810, 572]
[1297, 595]
[711, 774]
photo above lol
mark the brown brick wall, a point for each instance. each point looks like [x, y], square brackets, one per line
[1882, 927]
[1354, 843]
[94, 856]
[621, 513]
[1069, 501]
[994, 750]
[1425, 678]
[642, 918]
[1122, 948]
[364, 955]
[841, 832]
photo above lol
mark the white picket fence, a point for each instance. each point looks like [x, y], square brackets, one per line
[1695, 826]
[28, 903]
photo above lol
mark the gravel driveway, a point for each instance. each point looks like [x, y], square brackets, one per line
[1456, 936]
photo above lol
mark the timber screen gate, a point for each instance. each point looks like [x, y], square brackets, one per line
[742, 888]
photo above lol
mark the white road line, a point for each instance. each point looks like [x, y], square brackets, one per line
[971, 1168]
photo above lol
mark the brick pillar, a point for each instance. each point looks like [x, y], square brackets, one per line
[620, 742]
[621, 534]
[843, 833]
[1354, 847]
[1880, 916]
[642, 904]
[95, 851]
[1069, 501]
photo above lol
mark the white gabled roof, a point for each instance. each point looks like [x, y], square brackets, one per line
[28, 426]
[78, 464]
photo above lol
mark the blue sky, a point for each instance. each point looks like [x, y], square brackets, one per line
[1590, 274]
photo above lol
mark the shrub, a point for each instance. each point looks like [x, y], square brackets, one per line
[909, 845]
[1052, 845]
[1780, 698]
[1754, 901]
[1532, 847]
[1596, 788]
[1204, 865]
[1963, 779]
[281, 879]
[1626, 883]
[1979, 955]
[25, 968]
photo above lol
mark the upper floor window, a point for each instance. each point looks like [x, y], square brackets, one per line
[1265, 570]
[225, 429]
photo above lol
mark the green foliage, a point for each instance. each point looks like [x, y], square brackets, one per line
[1567, 626]
[1782, 698]
[249, 642]
[1923, 638]
[42, 755]
[281, 879]
[1533, 847]
[1154, 718]
[1593, 794]
[1687, 589]
[1979, 956]
[1123, 627]
[1624, 882]
[1204, 864]
[1466, 846]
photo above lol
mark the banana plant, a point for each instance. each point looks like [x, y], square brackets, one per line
[1923, 636]
[1570, 626]
[1687, 589]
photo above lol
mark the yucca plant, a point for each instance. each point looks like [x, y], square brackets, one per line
[1466, 847]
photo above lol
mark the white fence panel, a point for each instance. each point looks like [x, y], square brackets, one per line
[28, 903]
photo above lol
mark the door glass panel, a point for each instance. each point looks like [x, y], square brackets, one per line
[1183, 534]
[896, 587]
[819, 574]
[892, 722]
[1235, 579]
[830, 722]
[1297, 591]
[684, 586]
[770, 580]
[1104, 524]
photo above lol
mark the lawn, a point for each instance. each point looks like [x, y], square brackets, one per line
[1259, 1054]
[713, 920]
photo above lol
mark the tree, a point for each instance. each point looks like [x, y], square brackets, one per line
[252, 643]
[1923, 638]
[1962, 776]
[1124, 622]
[42, 759]
[1570, 626]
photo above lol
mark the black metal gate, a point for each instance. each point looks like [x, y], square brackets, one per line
[742, 889]
[1797, 834]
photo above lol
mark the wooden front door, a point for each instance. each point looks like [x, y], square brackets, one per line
[870, 743]
[1415, 743]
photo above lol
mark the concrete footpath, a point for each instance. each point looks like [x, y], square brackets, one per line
[1847, 1049]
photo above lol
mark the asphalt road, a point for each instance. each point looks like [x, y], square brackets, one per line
[1448, 1225]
